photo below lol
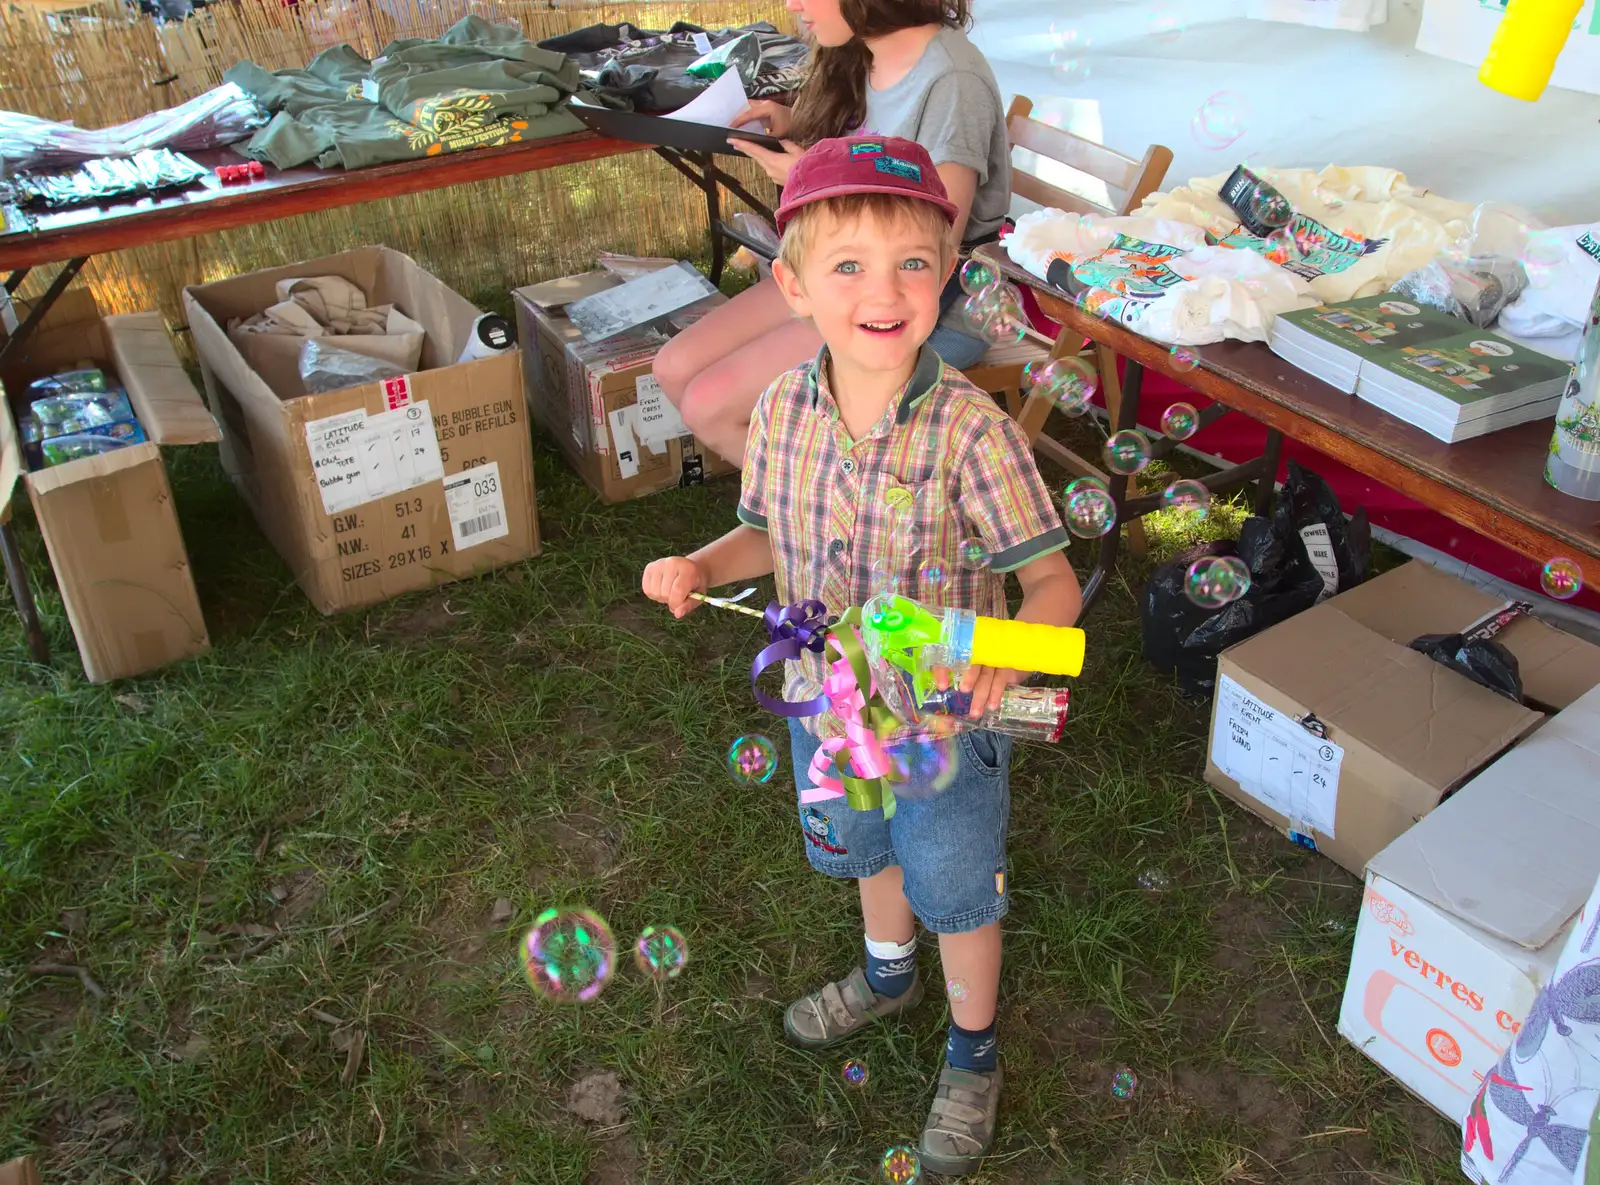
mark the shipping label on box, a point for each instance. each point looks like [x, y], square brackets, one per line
[1276, 760]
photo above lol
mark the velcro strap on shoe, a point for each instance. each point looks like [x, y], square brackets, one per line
[963, 1112]
[839, 1017]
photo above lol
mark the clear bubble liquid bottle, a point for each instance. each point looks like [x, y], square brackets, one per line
[1573, 465]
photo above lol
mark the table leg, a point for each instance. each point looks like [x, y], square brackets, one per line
[14, 342]
[714, 223]
[22, 594]
[1269, 472]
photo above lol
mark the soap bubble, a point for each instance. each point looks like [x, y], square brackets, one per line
[1184, 358]
[1002, 328]
[1085, 483]
[1542, 257]
[901, 1166]
[974, 555]
[956, 989]
[885, 575]
[1187, 496]
[569, 954]
[1279, 247]
[1090, 512]
[752, 759]
[922, 765]
[1124, 1082]
[1270, 209]
[1216, 580]
[934, 572]
[1153, 880]
[1069, 60]
[1068, 382]
[1127, 451]
[1221, 121]
[1561, 578]
[1163, 23]
[976, 275]
[1180, 421]
[854, 1074]
[661, 952]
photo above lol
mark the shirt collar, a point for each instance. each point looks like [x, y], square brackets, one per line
[924, 377]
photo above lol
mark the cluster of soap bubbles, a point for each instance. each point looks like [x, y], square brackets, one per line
[1124, 1082]
[993, 308]
[901, 1166]
[1217, 580]
[1153, 880]
[1069, 55]
[1221, 121]
[1561, 578]
[752, 759]
[1090, 511]
[569, 954]
[1069, 383]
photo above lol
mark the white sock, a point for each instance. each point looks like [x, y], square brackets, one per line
[892, 950]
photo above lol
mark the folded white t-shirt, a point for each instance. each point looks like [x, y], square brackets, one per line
[1557, 298]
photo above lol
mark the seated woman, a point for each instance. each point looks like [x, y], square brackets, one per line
[878, 67]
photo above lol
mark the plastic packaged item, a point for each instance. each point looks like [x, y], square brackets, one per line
[107, 179]
[62, 415]
[326, 367]
[913, 648]
[91, 443]
[86, 380]
[1573, 463]
[1474, 288]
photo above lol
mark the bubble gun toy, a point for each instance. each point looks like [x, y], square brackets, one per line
[1523, 54]
[910, 645]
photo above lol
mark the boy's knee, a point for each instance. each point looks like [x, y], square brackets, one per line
[706, 407]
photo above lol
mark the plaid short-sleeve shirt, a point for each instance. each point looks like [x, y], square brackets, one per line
[945, 465]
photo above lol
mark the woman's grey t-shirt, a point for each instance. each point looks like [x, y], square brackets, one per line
[949, 103]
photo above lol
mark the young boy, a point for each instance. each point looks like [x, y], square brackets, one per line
[876, 466]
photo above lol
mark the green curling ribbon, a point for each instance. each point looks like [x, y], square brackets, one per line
[863, 794]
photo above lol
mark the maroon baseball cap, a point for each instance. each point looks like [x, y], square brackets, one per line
[864, 164]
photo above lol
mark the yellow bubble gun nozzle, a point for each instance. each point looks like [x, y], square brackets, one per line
[1530, 38]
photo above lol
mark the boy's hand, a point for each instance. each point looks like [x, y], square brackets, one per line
[671, 580]
[987, 686]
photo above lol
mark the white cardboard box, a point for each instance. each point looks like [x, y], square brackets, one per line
[1464, 913]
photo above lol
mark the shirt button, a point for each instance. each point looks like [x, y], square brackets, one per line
[848, 465]
[836, 547]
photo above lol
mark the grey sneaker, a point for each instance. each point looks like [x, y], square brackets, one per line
[843, 1008]
[961, 1121]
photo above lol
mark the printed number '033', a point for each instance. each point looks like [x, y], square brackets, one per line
[487, 486]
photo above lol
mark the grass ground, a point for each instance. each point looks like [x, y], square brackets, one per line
[283, 862]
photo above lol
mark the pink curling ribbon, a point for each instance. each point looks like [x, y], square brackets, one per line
[860, 745]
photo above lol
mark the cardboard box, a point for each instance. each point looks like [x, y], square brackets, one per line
[21, 1171]
[1400, 731]
[1466, 913]
[108, 522]
[600, 402]
[376, 490]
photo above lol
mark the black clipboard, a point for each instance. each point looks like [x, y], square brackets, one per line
[666, 132]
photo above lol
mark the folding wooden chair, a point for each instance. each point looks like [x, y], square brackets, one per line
[1000, 370]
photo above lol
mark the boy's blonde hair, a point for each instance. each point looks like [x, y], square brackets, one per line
[802, 228]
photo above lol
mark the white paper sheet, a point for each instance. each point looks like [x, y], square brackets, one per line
[655, 419]
[717, 104]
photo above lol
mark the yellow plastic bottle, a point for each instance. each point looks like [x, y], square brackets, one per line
[1523, 54]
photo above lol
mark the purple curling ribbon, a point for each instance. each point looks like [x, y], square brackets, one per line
[792, 629]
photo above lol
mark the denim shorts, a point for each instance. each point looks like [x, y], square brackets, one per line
[951, 846]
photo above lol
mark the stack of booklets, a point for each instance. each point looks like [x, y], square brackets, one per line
[1427, 368]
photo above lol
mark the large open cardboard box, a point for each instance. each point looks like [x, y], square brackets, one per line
[108, 522]
[1400, 730]
[1464, 914]
[366, 492]
[600, 402]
